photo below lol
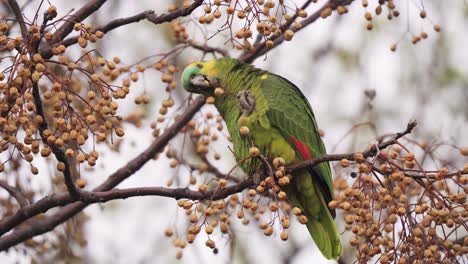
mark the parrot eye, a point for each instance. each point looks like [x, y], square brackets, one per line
[199, 66]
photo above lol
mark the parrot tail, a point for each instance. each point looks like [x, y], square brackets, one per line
[306, 194]
[323, 230]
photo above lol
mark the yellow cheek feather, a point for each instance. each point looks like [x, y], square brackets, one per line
[209, 68]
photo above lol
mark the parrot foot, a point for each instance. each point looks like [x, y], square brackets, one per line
[246, 102]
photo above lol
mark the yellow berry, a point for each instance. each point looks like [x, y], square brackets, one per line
[254, 152]
[81, 183]
[222, 183]
[269, 43]
[244, 131]
[303, 219]
[218, 91]
[297, 211]
[464, 151]
[344, 163]
[210, 100]
[61, 166]
[333, 204]
[423, 14]
[210, 243]
[202, 188]
[171, 8]
[179, 254]
[277, 162]
[268, 231]
[119, 132]
[288, 34]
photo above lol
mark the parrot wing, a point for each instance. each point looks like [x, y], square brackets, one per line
[290, 112]
[312, 189]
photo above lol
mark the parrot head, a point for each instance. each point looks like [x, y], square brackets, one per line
[203, 77]
[200, 77]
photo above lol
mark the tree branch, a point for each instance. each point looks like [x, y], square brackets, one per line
[80, 15]
[260, 48]
[294, 17]
[22, 201]
[49, 223]
[207, 49]
[150, 15]
[59, 155]
[71, 209]
[368, 153]
[19, 16]
[67, 27]
[110, 26]
[104, 192]
[181, 12]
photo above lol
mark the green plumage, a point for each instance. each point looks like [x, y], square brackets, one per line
[281, 118]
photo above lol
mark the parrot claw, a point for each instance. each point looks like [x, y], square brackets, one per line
[246, 102]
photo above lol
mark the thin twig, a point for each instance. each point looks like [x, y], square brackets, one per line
[181, 12]
[59, 154]
[260, 49]
[22, 201]
[67, 27]
[207, 49]
[149, 15]
[110, 26]
[80, 15]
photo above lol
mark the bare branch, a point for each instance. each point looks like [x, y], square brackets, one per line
[368, 153]
[67, 27]
[49, 223]
[80, 15]
[19, 16]
[22, 201]
[111, 25]
[294, 17]
[260, 49]
[207, 49]
[181, 12]
[59, 155]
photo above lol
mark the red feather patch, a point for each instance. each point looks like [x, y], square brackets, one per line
[302, 148]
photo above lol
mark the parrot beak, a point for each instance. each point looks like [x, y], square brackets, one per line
[203, 84]
[199, 81]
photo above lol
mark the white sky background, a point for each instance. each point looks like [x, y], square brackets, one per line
[131, 231]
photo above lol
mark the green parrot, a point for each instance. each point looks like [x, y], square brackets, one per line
[280, 123]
